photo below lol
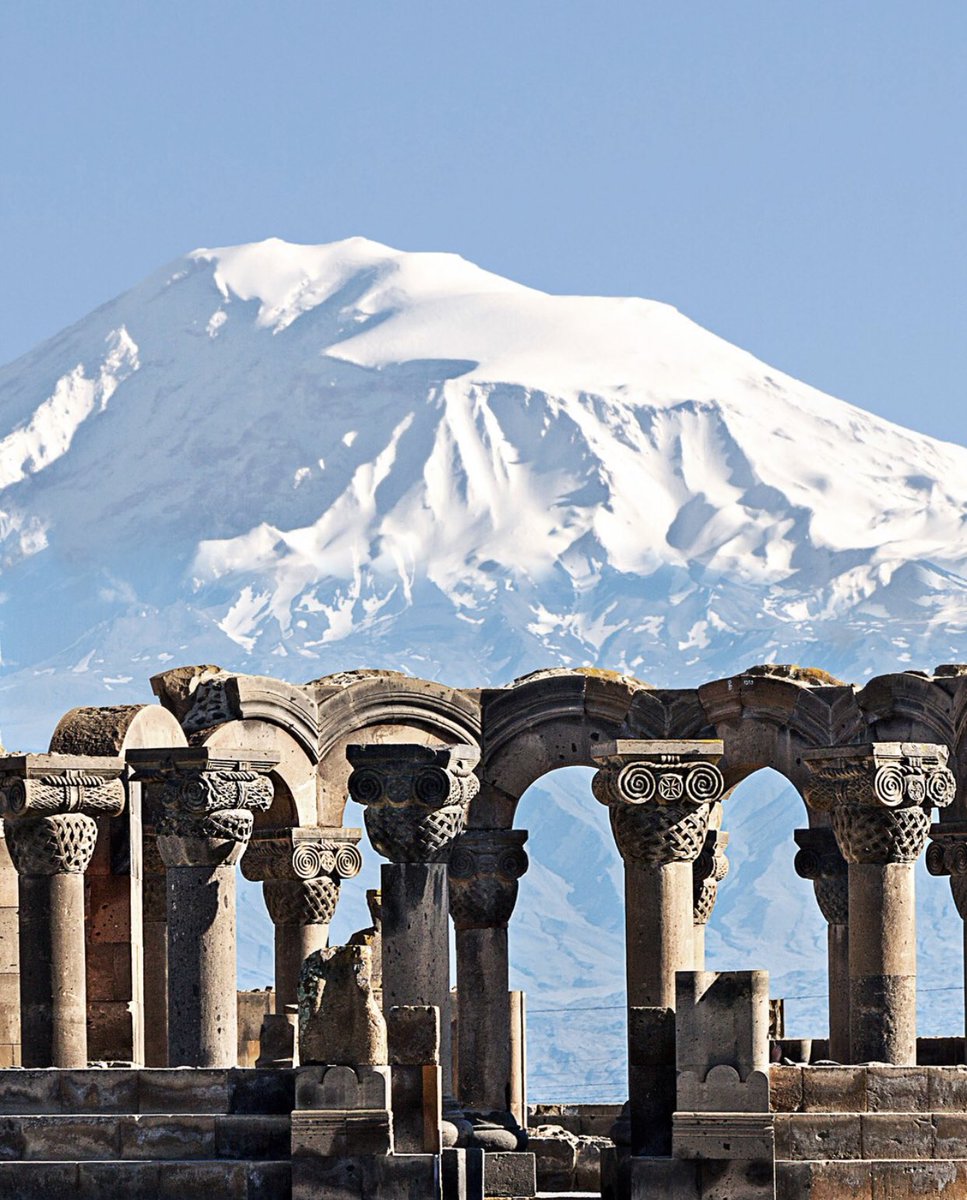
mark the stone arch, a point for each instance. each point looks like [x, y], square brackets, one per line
[387, 707]
[543, 721]
[769, 714]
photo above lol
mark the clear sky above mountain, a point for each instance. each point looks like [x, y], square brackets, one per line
[792, 177]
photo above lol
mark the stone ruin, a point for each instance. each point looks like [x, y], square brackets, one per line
[120, 1073]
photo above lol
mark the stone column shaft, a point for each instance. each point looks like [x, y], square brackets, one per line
[659, 796]
[879, 797]
[49, 802]
[205, 800]
[947, 855]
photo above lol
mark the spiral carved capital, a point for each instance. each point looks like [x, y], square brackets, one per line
[879, 796]
[660, 797]
[484, 871]
[947, 855]
[819, 860]
[416, 798]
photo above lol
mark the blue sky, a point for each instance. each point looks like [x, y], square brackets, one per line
[792, 176]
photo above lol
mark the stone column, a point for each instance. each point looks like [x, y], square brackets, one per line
[660, 796]
[49, 803]
[819, 860]
[416, 800]
[879, 797]
[708, 871]
[206, 799]
[300, 870]
[154, 911]
[947, 855]
[485, 868]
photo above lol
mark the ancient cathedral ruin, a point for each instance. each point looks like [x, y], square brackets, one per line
[364, 1075]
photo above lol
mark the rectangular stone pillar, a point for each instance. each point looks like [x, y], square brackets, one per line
[416, 943]
[9, 960]
[413, 1038]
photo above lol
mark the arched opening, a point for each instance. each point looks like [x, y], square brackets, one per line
[765, 915]
[567, 944]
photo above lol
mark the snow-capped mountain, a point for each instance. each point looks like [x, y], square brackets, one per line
[300, 459]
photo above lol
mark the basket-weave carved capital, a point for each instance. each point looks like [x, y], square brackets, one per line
[416, 797]
[484, 871]
[301, 901]
[947, 855]
[204, 801]
[659, 796]
[819, 860]
[708, 871]
[49, 803]
[879, 796]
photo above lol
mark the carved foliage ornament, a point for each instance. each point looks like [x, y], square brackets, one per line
[659, 806]
[484, 870]
[880, 796]
[708, 871]
[416, 797]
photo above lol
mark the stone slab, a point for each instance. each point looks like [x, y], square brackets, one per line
[947, 1089]
[801, 1136]
[510, 1173]
[262, 1090]
[898, 1135]
[723, 1136]
[183, 1089]
[834, 1089]
[950, 1135]
[897, 1089]
[64, 1137]
[413, 1035]
[669, 1178]
[148, 1136]
[824, 1180]
[400, 1177]
[252, 1136]
[785, 1088]
[39, 1181]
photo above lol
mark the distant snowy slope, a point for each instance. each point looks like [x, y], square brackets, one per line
[299, 459]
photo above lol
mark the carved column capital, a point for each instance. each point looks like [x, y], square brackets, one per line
[416, 797]
[301, 870]
[204, 800]
[708, 871]
[484, 870]
[879, 796]
[819, 860]
[49, 803]
[947, 855]
[660, 795]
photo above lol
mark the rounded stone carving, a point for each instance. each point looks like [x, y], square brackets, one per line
[302, 901]
[659, 833]
[483, 876]
[880, 835]
[57, 845]
[310, 859]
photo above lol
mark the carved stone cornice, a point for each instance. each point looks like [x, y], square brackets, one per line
[708, 871]
[879, 796]
[947, 855]
[49, 803]
[301, 870]
[659, 795]
[484, 870]
[204, 800]
[819, 860]
[416, 797]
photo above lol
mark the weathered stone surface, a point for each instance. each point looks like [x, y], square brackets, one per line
[897, 1089]
[339, 1019]
[166, 1090]
[745, 1137]
[669, 1178]
[401, 1176]
[162, 1136]
[818, 1135]
[556, 1155]
[834, 1089]
[915, 1180]
[341, 1088]
[334, 1133]
[824, 1180]
[413, 1035]
[947, 1089]
[897, 1135]
[785, 1088]
[513, 1174]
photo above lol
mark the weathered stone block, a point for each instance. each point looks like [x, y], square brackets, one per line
[269, 1180]
[834, 1089]
[400, 1176]
[262, 1091]
[30, 1091]
[897, 1089]
[192, 1181]
[897, 1135]
[950, 1135]
[39, 1180]
[102, 1091]
[337, 1088]
[670, 1178]
[737, 1180]
[512, 1173]
[330, 1134]
[824, 1180]
[413, 1035]
[818, 1136]
[916, 1180]
[947, 1089]
[63, 1138]
[555, 1153]
[11, 1138]
[158, 1136]
[785, 1088]
[183, 1089]
[723, 1135]
[587, 1170]
[252, 1136]
[339, 1019]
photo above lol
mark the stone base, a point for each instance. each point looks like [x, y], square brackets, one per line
[692, 1179]
[723, 1136]
[512, 1173]
[338, 1133]
[363, 1177]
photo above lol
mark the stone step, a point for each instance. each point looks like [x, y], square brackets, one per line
[147, 1090]
[169, 1179]
[868, 1179]
[867, 1136]
[132, 1136]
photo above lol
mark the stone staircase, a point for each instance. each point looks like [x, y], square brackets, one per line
[121, 1134]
